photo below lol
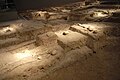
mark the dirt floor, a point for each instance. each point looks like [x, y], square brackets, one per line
[58, 49]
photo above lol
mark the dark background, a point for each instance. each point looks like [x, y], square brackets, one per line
[38, 4]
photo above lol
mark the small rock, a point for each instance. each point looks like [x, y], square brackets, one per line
[83, 26]
[65, 33]
[8, 30]
[54, 52]
[39, 58]
[89, 29]
[94, 32]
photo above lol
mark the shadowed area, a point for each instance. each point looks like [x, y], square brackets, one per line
[38, 4]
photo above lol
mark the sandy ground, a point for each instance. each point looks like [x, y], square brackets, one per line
[59, 50]
[59, 62]
[100, 66]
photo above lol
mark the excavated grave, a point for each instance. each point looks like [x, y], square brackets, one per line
[56, 50]
[51, 49]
